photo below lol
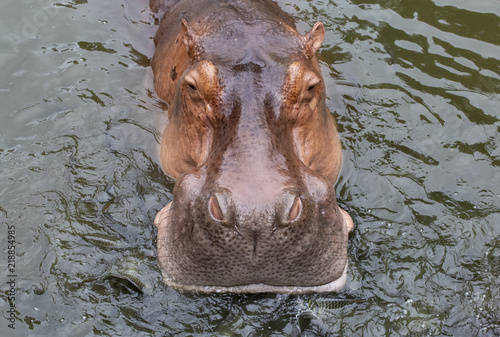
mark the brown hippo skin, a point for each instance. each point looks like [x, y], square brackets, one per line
[253, 149]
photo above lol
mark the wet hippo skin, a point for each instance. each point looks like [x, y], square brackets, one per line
[253, 149]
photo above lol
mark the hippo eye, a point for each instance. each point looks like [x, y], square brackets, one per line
[192, 89]
[312, 87]
[191, 83]
[310, 91]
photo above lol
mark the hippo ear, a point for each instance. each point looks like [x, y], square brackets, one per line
[189, 37]
[314, 38]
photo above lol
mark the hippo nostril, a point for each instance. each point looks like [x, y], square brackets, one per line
[214, 208]
[295, 209]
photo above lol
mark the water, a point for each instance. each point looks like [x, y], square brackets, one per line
[415, 86]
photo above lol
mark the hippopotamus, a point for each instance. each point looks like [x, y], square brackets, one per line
[253, 150]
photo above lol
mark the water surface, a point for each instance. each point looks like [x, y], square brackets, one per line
[415, 87]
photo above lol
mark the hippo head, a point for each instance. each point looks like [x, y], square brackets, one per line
[255, 155]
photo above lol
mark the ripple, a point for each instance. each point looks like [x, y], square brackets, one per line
[95, 46]
[485, 199]
[408, 45]
[446, 227]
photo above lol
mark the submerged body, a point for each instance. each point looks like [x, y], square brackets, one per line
[253, 149]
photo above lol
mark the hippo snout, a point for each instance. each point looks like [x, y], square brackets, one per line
[222, 239]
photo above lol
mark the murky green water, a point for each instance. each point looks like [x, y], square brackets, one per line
[415, 85]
